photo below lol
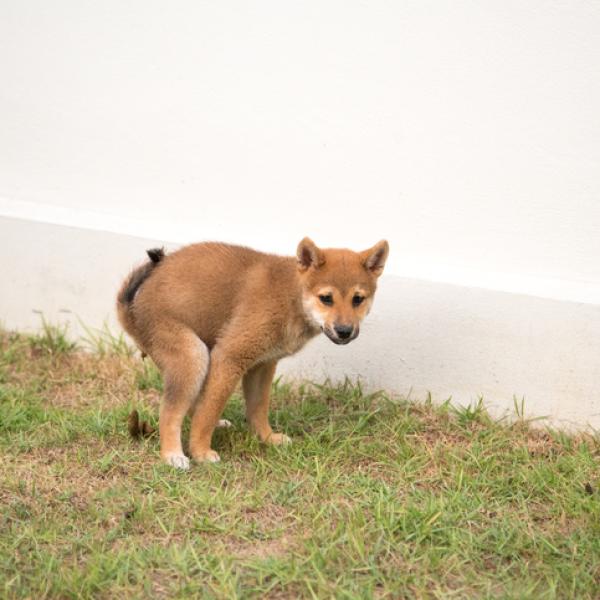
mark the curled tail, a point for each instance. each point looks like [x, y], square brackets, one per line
[130, 287]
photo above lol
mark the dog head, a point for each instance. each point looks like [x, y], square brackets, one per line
[338, 286]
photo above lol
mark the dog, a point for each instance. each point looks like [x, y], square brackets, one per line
[210, 314]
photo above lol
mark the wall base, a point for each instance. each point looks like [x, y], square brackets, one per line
[420, 337]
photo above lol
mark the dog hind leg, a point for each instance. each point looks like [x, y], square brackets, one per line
[183, 359]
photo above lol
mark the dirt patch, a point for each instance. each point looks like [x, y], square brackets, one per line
[80, 379]
[46, 472]
[75, 379]
[261, 549]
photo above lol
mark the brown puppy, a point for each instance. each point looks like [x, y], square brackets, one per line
[210, 314]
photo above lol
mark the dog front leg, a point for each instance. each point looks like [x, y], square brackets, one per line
[257, 391]
[222, 378]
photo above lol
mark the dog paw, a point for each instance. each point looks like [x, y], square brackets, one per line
[209, 456]
[179, 461]
[278, 439]
[224, 423]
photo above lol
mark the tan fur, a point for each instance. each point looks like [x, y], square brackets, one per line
[211, 314]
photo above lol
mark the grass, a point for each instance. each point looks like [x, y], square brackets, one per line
[376, 498]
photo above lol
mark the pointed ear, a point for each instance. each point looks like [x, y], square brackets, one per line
[374, 258]
[309, 255]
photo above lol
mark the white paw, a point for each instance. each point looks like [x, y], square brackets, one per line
[207, 456]
[224, 423]
[179, 461]
[278, 439]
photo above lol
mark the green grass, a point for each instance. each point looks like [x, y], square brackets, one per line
[376, 498]
[52, 339]
[103, 341]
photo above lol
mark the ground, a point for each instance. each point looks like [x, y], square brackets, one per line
[377, 497]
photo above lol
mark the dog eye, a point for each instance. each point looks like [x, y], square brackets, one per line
[356, 300]
[326, 299]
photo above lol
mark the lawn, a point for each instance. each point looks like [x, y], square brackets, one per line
[376, 497]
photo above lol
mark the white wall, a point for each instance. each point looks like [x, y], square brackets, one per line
[467, 133]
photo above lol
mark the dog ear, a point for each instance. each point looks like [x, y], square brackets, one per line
[374, 258]
[309, 255]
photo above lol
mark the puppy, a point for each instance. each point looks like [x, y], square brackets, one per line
[211, 314]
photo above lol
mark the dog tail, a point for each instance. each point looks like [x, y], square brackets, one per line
[130, 287]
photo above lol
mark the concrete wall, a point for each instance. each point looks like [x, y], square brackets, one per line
[467, 134]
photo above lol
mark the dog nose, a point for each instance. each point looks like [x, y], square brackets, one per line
[343, 331]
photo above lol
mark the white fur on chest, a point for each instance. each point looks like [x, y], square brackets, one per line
[294, 337]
